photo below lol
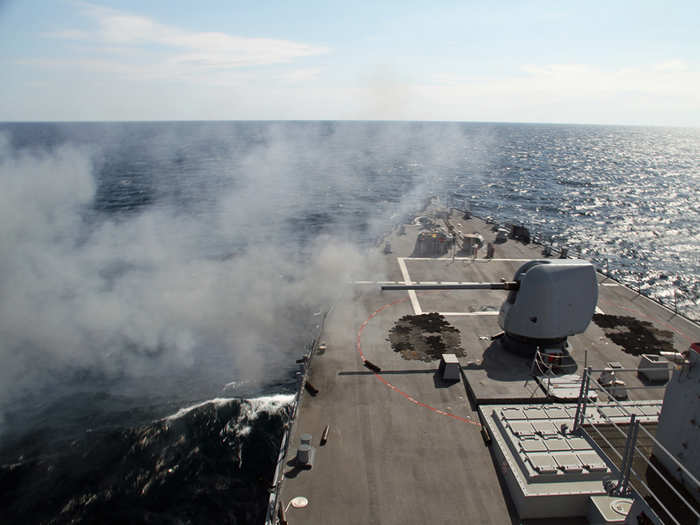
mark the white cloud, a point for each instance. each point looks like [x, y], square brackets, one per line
[180, 52]
[574, 80]
[299, 75]
[672, 65]
[574, 93]
[554, 70]
[143, 69]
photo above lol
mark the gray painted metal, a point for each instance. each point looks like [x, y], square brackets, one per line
[582, 399]
[389, 459]
[464, 286]
[623, 488]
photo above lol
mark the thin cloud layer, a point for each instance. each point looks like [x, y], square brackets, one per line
[212, 50]
[159, 63]
[574, 92]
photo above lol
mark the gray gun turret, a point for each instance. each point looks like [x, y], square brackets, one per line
[548, 301]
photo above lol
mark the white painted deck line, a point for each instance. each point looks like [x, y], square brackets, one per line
[610, 284]
[465, 314]
[411, 293]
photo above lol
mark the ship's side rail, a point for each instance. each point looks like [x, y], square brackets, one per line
[668, 501]
[603, 268]
[602, 264]
[302, 375]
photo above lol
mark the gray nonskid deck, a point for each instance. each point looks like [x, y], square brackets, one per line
[388, 459]
[402, 447]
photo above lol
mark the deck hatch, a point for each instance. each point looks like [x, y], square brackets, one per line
[635, 409]
[568, 462]
[534, 413]
[521, 428]
[611, 411]
[556, 413]
[592, 461]
[577, 443]
[545, 428]
[512, 413]
[532, 445]
[556, 444]
[543, 464]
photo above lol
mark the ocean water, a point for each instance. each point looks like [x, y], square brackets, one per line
[158, 281]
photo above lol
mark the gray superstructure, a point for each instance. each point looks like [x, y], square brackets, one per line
[404, 444]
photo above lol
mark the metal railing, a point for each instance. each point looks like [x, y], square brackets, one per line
[602, 263]
[302, 374]
[551, 365]
[585, 424]
[546, 364]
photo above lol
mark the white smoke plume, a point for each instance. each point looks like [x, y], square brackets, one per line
[140, 296]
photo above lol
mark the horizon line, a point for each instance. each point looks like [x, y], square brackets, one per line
[378, 121]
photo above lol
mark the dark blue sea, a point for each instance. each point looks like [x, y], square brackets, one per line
[158, 281]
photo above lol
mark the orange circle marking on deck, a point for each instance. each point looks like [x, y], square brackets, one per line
[381, 378]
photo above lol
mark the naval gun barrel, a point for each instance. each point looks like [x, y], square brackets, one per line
[507, 285]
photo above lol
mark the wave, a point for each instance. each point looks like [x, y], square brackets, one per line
[269, 404]
[210, 462]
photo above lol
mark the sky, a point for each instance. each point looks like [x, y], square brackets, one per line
[593, 62]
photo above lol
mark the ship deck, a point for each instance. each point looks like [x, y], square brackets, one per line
[404, 447]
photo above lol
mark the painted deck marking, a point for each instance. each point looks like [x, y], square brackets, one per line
[470, 314]
[381, 378]
[417, 310]
[411, 293]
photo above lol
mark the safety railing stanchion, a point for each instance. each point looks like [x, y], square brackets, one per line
[622, 489]
[582, 399]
